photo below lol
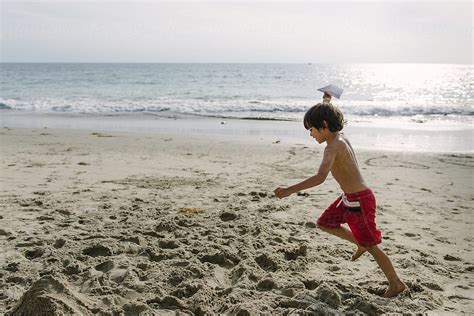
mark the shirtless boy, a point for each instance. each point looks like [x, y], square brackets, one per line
[356, 206]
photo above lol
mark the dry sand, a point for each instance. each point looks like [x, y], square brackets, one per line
[122, 224]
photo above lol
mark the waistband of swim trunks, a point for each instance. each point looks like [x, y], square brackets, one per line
[360, 194]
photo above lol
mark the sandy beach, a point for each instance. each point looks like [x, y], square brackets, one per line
[117, 223]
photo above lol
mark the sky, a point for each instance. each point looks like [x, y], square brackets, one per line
[384, 31]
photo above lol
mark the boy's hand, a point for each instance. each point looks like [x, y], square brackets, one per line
[282, 192]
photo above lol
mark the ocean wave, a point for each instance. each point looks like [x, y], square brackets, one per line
[3, 106]
[59, 108]
[240, 108]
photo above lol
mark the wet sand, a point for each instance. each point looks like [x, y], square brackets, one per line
[109, 222]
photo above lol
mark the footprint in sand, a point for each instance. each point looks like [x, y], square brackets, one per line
[136, 309]
[460, 160]
[432, 286]
[59, 243]
[266, 263]
[311, 284]
[167, 302]
[186, 289]
[4, 232]
[411, 235]
[97, 251]
[459, 297]
[17, 280]
[223, 259]
[443, 240]
[105, 266]
[449, 257]
[293, 254]
[34, 253]
[328, 295]
[168, 244]
[266, 284]
[228, 216]
[101, 135]
[12, 266]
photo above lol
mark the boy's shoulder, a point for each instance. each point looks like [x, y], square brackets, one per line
[339, 145]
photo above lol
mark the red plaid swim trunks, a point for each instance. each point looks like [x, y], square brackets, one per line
[358, 211]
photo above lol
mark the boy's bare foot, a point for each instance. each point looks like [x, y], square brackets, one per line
[394, 290]
[359, 252]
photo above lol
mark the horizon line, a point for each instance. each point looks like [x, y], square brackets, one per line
[218, 62]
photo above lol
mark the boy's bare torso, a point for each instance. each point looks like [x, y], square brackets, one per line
[345, 168]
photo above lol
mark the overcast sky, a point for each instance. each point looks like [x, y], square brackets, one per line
[240, 31]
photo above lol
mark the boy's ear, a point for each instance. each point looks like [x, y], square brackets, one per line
[325, 124]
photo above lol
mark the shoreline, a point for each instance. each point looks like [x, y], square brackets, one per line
[366, 135]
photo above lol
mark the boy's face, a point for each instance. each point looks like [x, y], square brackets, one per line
[318, 135]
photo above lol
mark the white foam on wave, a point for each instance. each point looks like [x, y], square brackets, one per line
[279, 109]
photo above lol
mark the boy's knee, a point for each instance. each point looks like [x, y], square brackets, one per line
[371, 249]
[326, 228]
[322, 227]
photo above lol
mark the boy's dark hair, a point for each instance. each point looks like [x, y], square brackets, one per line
[320, 112]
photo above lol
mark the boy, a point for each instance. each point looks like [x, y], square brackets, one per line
[356, 206]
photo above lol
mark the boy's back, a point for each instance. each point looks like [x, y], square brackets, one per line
[345, 168]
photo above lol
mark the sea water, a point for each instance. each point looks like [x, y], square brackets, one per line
[422, 92]
[415, 107]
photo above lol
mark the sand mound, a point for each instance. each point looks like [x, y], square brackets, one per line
[50, 296]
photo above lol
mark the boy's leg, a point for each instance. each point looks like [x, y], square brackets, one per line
[395, 285]
[346, 234]
[330, 221]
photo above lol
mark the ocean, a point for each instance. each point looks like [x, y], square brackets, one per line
[262, 91]
[414, 107]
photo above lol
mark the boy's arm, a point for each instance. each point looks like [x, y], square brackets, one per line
[324, 168]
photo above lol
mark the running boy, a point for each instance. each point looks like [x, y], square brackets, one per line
[356, 206]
